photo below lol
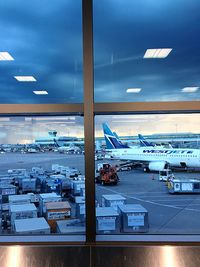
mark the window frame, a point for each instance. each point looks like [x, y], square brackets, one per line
[89, 109]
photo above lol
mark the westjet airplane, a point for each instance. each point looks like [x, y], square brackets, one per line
[144, 142]
[152, 158]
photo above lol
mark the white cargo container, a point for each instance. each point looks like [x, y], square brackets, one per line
[17, 171]
[57, 176]
[134, 218]
[76, 187]
[28, 185]
[38, 170]
[80, 207]
[25, 211]
[7, 189]
[70, 227]
[113, 200]
[55, 167]
[34, 197]
[31, 226]
[19, 199]
[47, 197]
[107, 220]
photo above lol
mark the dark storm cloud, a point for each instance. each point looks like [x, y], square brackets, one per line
[45, 38]
[127, 29]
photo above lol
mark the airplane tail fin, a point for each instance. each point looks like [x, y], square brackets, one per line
[112, 140]
[144, 142]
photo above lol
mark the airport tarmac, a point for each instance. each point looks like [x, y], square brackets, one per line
[168, 213]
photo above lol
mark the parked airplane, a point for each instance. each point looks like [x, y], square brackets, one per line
[69, 148]
[152, 158]
[144, 142]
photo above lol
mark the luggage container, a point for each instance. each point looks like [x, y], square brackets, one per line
[7, 189]
[19, 199]
[184, 186]
[17, 171]
[7, 180]
[19, 178]
[57, 176]
[113, 200]
[80, 207]
[25, 211]
[47, 197]
[82, 192]
[31, 226]
[107, 220]
[29, 185]
[134, 218]
[56, 211]
[34, 198]
[38, 170]
[73, 226]
[76, 187]
[55, 168]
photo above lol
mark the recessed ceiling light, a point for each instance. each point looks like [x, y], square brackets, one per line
[190, 89]
[133, 90]
[40, 92]
[25, 78]
[5, 56]
[157, 53]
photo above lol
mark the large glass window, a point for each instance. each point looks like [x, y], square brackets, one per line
[42, 175]
[146, 50]
[41, 43]
[147, 174]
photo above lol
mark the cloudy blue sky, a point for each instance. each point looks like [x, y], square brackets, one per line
[27, 129]
[45, 39]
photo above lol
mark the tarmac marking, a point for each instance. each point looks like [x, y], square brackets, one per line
[152, 202]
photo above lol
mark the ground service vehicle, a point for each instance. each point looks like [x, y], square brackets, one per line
[107, 175]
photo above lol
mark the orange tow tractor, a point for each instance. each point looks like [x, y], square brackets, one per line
[107, 175]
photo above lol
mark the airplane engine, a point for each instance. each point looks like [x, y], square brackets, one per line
[157, 165]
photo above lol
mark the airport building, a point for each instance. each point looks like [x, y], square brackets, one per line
[100, 135]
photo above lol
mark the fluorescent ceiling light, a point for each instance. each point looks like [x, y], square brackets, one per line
[190, 89]
[5, 56]
[25, 78]
[157, 53]
[40, 92]
[133, 90]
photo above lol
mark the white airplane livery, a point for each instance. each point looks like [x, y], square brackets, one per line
[153, 159]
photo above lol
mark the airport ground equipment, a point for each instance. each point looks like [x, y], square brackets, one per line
[47, 197]
[165, 175]
[71, 226]
[134, 218]
[24, 211]
[80, 207]
[31, 226]
[55, 211]
[113, 200]
[107, 174]
[107, 220]
[184, 186]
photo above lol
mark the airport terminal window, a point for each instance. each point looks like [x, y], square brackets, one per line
[42, 181]
[41, 52]
[147, 174]
[146, 51]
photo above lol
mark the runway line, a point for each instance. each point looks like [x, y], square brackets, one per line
[151, 202]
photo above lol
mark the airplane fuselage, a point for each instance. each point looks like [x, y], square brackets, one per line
[174, 157]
